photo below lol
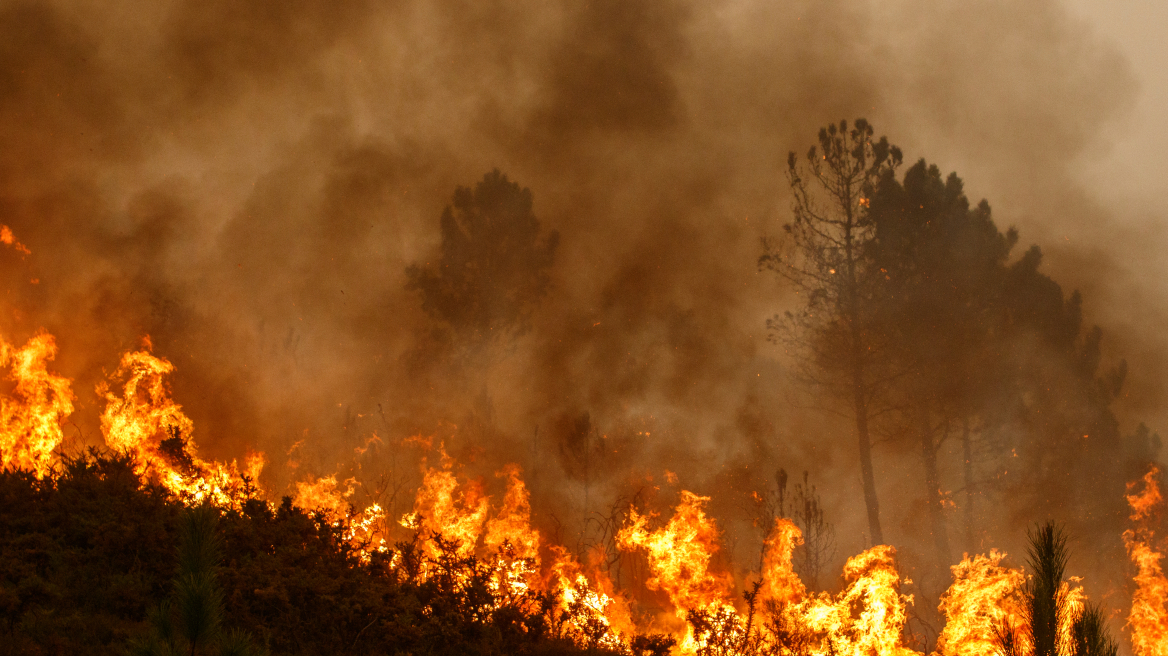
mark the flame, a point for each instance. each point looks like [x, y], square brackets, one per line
[512, 524]
[866, 618]
[324, 496]
[9, 239]
[592, 612]
[984, 594]
[366, 532]
[511, 540]
[1148, 618]
[441, 509]
[1147, 503]
[1074, 601]
[679, 554]
[780, 582]
[30, 419]
[869, 615]
[596, 613]
[144, 422]
[364, 529]
[138, 421]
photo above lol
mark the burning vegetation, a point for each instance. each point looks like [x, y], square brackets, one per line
[1148, 618]
[911, 320]
[484, 559]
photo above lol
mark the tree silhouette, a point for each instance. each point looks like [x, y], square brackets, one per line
[1059, 394]
[492, 266]
[826, 255]
[943, 265]
[805, 508]
[988, 350]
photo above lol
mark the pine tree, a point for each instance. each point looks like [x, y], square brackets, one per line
[826, 256]
[190, 621]
[1047, 606]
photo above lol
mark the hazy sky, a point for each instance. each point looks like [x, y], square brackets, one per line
[1136, 163]
[1127, 171]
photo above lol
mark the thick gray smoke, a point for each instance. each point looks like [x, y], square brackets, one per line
[246, 183]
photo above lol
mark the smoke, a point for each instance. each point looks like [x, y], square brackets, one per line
[247, 182]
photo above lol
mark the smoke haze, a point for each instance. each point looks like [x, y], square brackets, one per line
[246, 183]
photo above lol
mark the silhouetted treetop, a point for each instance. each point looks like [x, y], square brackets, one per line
[825, 254]
[492, 266]
[941, 265]
[926, 226]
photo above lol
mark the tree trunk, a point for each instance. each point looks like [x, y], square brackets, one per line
[933, 485]
[967, 453]
[860, 407]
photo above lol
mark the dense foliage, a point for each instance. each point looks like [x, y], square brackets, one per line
[89, 555]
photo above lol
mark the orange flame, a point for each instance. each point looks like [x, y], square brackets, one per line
[511, 540]
[597, 614]
[144, 422]
[30, 420]
[9, 239]
[440, 508]
[1074, 601]
[138, 421]
[867, 618]
[364, 529]
[512, 524]
[324, 496]
[984, 594]
[780, 582]
[1147, 503]
[869, 615]
[679, 554]
[1148, 618]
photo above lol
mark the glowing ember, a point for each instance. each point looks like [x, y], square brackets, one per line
[1148, 619]
[9, 239]
[30, 420]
